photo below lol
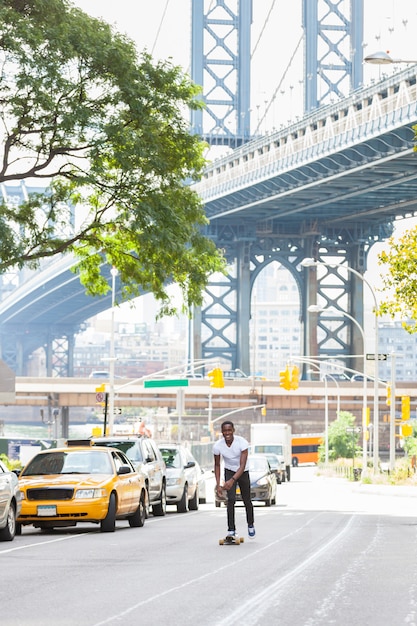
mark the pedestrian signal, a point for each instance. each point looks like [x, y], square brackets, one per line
[216, 378]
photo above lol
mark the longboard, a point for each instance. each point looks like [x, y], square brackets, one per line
[230, 541]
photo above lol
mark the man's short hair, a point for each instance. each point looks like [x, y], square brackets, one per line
[228, 423]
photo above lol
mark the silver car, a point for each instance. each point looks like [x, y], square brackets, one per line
[183, 476]
[10, 503]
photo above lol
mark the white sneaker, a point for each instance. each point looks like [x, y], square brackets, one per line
[231, 533]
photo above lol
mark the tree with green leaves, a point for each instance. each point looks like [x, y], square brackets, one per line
[400, 281]
[102, 127]
[342, 443]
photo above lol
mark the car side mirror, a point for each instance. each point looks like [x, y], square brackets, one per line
[189, 464]
[124, 469]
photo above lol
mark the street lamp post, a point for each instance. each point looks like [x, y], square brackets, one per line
[114, 273]
[312, 263]
[383, 58]
[315, 308]
[326, 404]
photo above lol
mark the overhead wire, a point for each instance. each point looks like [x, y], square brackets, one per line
[263, 28]
[279, 85]
[160, 26]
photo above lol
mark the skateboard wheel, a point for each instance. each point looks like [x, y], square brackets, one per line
[237, 540]
[242, 539]
[221, 542]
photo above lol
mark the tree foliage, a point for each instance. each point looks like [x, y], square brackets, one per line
[103, 128]
[341, 443]
[400, 261]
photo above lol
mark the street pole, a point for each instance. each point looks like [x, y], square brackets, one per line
[392, 416]
[180, 410]
[113, 272]
[326, 422]
[210, 412]
[308, 262]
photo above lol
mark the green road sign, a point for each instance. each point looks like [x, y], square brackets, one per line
[167, 382]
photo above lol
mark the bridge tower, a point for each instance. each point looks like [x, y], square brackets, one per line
[333, 50]
[220, 63]
[221, 56]
[332, 69]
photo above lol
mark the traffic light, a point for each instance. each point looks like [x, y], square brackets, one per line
[295, 377]
[285, 378]
[263, 411]
[216, 378]
[405, 408]
[366, 417]
[388, 392]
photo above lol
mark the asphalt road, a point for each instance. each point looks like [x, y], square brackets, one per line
[330, 552]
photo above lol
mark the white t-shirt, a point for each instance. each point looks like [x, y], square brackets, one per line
[231, 456]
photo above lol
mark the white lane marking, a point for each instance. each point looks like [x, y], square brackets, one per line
[265, 595]
[198, 579]
[43, 543]
[66, 538]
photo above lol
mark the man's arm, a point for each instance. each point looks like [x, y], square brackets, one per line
[217, 470]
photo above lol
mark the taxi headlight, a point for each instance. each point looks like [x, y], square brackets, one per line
[22, 495]
[90, 493]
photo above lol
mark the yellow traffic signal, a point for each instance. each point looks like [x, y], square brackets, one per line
[285, 379]
[366, 417]
[216, 378]
[263, 411]
[406, 430]
[388, 392]
[295, 377]
[405, 408]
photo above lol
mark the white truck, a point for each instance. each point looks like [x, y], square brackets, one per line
[273, 438]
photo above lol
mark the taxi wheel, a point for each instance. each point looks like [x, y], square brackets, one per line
[108, 524]
[138, 518]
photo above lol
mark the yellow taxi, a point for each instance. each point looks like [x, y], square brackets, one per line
[78, 483]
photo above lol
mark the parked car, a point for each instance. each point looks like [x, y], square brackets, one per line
[64, 486]
[10, 503]
[277, 465]
[146, 458]
[183, 477]
[263, 483]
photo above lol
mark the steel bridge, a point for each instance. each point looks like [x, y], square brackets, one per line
[327, 187]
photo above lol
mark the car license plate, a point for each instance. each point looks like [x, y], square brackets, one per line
[46, 510]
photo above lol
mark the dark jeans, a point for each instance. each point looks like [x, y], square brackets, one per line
[244, 484]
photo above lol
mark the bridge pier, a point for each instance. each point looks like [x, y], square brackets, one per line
[334, 336]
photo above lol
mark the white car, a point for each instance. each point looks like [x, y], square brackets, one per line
[10, 503]
[183, 477]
